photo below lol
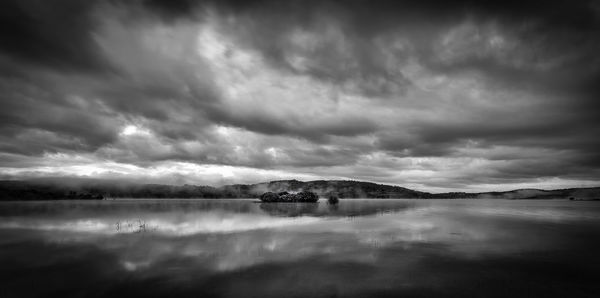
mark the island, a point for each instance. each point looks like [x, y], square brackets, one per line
[286, 197]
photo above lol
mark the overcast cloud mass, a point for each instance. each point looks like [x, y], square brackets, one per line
[455, 95]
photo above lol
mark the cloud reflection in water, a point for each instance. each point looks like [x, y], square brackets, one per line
[392, 238]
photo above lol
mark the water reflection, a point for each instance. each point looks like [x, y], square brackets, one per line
[350, 208]
[289, 209]
[239, 248]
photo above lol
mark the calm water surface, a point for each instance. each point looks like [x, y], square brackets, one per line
[240, 248]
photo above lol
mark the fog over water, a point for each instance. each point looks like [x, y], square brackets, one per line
[233, 248]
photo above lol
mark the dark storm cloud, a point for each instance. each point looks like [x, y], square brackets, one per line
[56, 35]
[554, 51]
[358, 89]
[273, 124]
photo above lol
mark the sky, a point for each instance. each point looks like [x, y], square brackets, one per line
[429, 95]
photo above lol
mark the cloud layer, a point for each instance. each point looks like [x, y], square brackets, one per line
[456, 95]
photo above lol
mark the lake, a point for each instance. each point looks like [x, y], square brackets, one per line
[242, 248]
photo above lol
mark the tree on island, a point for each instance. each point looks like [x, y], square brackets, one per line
[333, 199]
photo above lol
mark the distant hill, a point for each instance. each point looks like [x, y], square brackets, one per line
[59, 189]
[342, 188]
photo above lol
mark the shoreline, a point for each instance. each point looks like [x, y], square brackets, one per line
[256, 200]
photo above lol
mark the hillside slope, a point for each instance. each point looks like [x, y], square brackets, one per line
[97, 189]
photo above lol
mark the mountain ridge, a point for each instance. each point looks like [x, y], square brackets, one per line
[54, 189]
